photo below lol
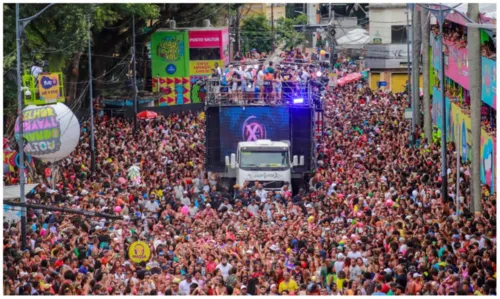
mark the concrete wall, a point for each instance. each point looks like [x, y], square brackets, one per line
[386, 56]
[382, 18]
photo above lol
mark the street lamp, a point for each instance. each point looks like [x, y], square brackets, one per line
[20, 26]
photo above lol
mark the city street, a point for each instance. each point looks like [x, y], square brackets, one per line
[235, 149]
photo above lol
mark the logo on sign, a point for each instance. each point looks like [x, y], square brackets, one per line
[253, 130]
[171, 69]
[48, 82]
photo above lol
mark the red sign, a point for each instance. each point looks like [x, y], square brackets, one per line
[205, 39]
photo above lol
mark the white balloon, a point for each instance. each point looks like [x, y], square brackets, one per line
[52, 131]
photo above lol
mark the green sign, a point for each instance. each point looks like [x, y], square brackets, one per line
[170, 54]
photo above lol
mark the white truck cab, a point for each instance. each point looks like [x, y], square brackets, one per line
[266, 161]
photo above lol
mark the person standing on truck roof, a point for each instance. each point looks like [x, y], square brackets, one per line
[260, 81]
[268, 87]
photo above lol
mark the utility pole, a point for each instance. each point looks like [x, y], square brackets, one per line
[457, 193]
[272, 26]
[229, 29]
[237, 28]
[92, 136]
[331, 35]
[20, 25]
[416, 43]
[134, 73]
[474, 50]
[444, 164]
[425, 20]
[63, 210]
[21, 130]
[408, 85]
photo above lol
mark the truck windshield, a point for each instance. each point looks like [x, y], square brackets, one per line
[264, 159]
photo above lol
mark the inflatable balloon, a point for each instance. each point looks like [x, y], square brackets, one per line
[185, 210]
[118, 209]
[52, 131]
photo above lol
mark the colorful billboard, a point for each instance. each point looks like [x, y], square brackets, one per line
[49, 87]
[169, 54]
[457, 65]
[459, 126]
[203, 67]
[489, 82]
[205, 39]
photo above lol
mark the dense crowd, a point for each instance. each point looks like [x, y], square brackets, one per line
[371, 222]
[274, 83]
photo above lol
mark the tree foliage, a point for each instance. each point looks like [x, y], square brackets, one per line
[59, 36]
[256, 33]
[287, 34]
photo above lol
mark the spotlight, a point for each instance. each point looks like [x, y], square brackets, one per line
[318, 74]
[298, 101]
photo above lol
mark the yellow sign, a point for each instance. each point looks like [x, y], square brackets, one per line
[139, 252]
[203, 67]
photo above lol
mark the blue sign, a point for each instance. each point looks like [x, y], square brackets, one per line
[489, 82]
[382, 83]
[171, 69]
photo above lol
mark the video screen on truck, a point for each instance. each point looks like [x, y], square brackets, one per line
[250, 124]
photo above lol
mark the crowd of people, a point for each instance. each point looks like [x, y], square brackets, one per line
[274, 83]
[372, 221]
[455, 35]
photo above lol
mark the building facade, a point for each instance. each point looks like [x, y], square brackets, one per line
[457, 98]
[387, 52]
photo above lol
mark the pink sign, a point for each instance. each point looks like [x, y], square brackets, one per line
[205, 39]
[456, 65]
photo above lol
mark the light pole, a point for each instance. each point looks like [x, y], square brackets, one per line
[20, 25]
[441, 14]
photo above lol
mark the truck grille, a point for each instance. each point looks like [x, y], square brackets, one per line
[269, 184]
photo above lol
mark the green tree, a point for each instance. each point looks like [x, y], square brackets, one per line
[287, 33]
[59, 36]
[256, 33]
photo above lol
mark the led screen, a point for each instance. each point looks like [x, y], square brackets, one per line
[250, 124]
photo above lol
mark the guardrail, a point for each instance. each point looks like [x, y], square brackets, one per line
[290, 93]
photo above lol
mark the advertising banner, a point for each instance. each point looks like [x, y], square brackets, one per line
[457, 68]
[459, 126]
[203, 67]
[205, 39]
[436, 63]
[489, 82]
[49, 87]
[139, 252]
[169, 54]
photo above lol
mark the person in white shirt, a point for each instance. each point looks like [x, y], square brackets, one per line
[151, 206]
[354, 253]
[185, 285]
[261, 193]
[224, 267]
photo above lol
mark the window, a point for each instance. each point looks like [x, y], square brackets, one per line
[264, 159]
[398, 34]
[204, 53]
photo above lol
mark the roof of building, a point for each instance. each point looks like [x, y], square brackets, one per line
[355, 37]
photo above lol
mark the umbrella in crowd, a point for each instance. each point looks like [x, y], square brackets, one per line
[147, 115]
[372, 221]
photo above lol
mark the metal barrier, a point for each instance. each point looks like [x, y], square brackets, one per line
[289, 93]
